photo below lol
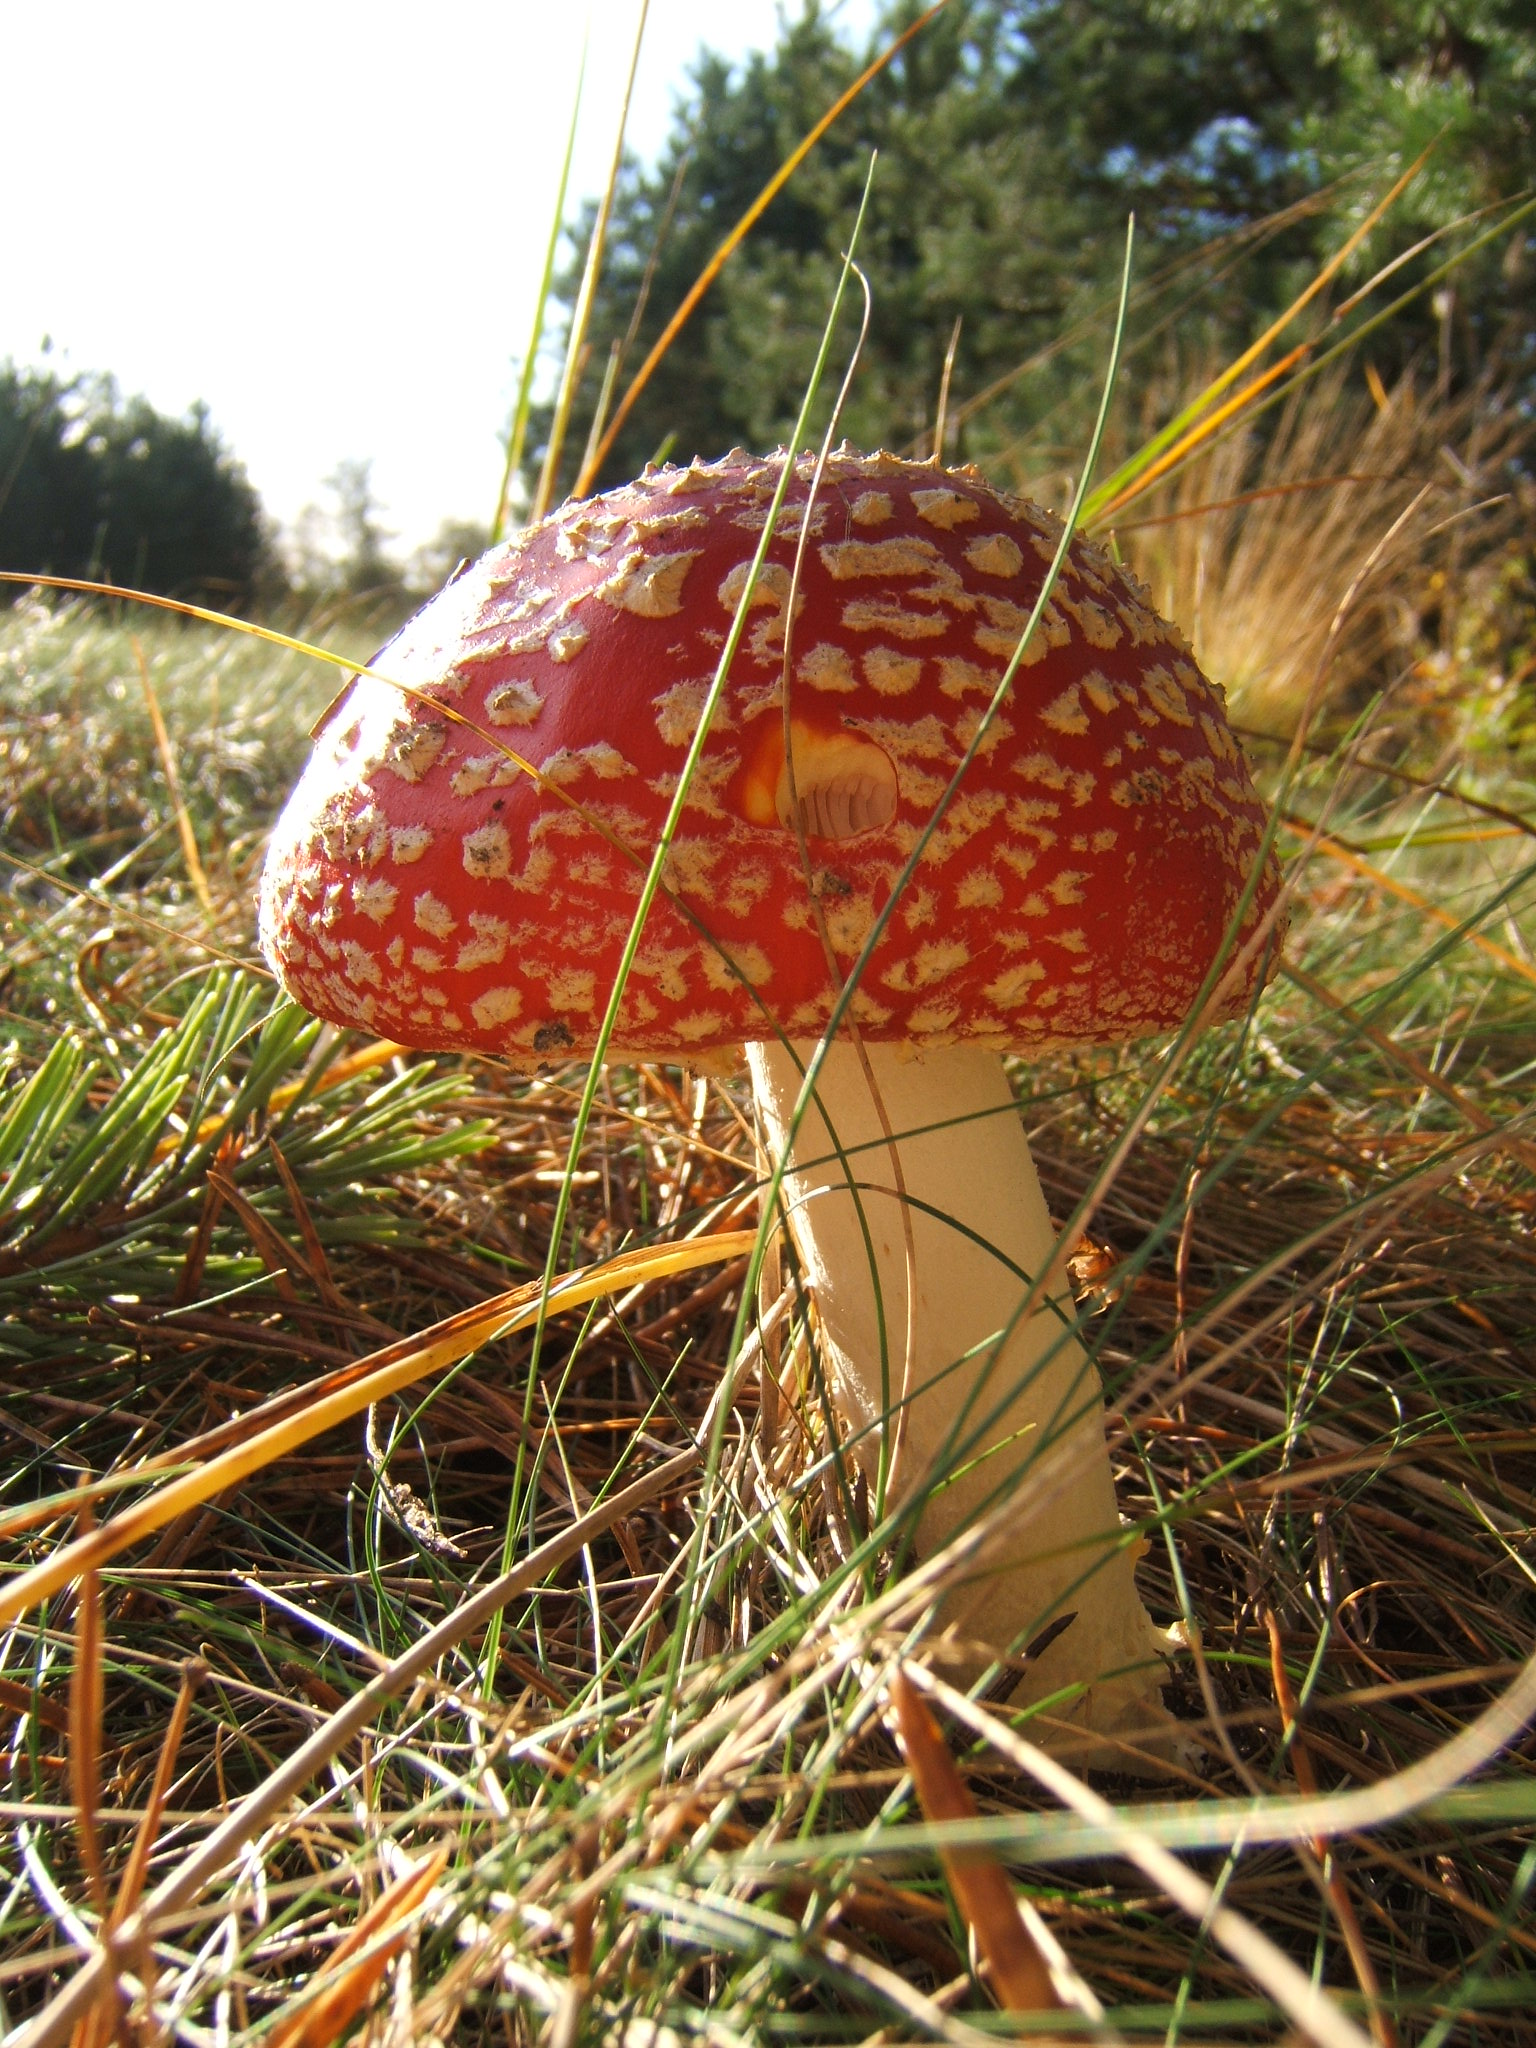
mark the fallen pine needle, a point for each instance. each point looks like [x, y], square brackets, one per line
[348, 1980]
[396, 1366]
[980, 1885]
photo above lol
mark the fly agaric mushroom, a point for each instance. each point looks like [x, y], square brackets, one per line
[425, 885]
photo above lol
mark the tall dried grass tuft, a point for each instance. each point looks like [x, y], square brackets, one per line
[1333, 549]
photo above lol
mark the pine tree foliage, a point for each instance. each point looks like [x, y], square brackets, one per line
[1014, 136]
[96, 485]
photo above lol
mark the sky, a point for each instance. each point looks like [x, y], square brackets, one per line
[325, 220]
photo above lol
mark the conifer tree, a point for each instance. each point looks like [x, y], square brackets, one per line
[1014, 137]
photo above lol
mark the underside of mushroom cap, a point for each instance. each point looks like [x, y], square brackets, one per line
[461, 862]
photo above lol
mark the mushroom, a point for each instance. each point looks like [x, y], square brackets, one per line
[460, 864]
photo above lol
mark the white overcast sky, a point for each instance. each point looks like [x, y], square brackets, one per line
[326, 220]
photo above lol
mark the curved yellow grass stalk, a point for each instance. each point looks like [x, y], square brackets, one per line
[196, 873]
[381, 1051]
[83, 586]
[1187, 443]
[399, 1365]
[1185, 433]
[1321, 842]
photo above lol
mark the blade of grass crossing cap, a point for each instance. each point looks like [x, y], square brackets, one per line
[517, 432]
[521, 1482]
[814, 1067]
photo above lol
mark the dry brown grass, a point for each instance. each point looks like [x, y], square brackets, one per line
[667, 1806]
[1311, 1287]
[1339, 549]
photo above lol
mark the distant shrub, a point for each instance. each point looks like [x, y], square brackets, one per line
[96, 485]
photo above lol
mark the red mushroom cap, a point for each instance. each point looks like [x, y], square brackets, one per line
[423, 884]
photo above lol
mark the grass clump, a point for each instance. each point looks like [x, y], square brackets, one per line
[82, 767]
[1365, 549]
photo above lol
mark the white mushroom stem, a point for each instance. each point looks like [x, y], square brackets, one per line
[1016, 1420]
